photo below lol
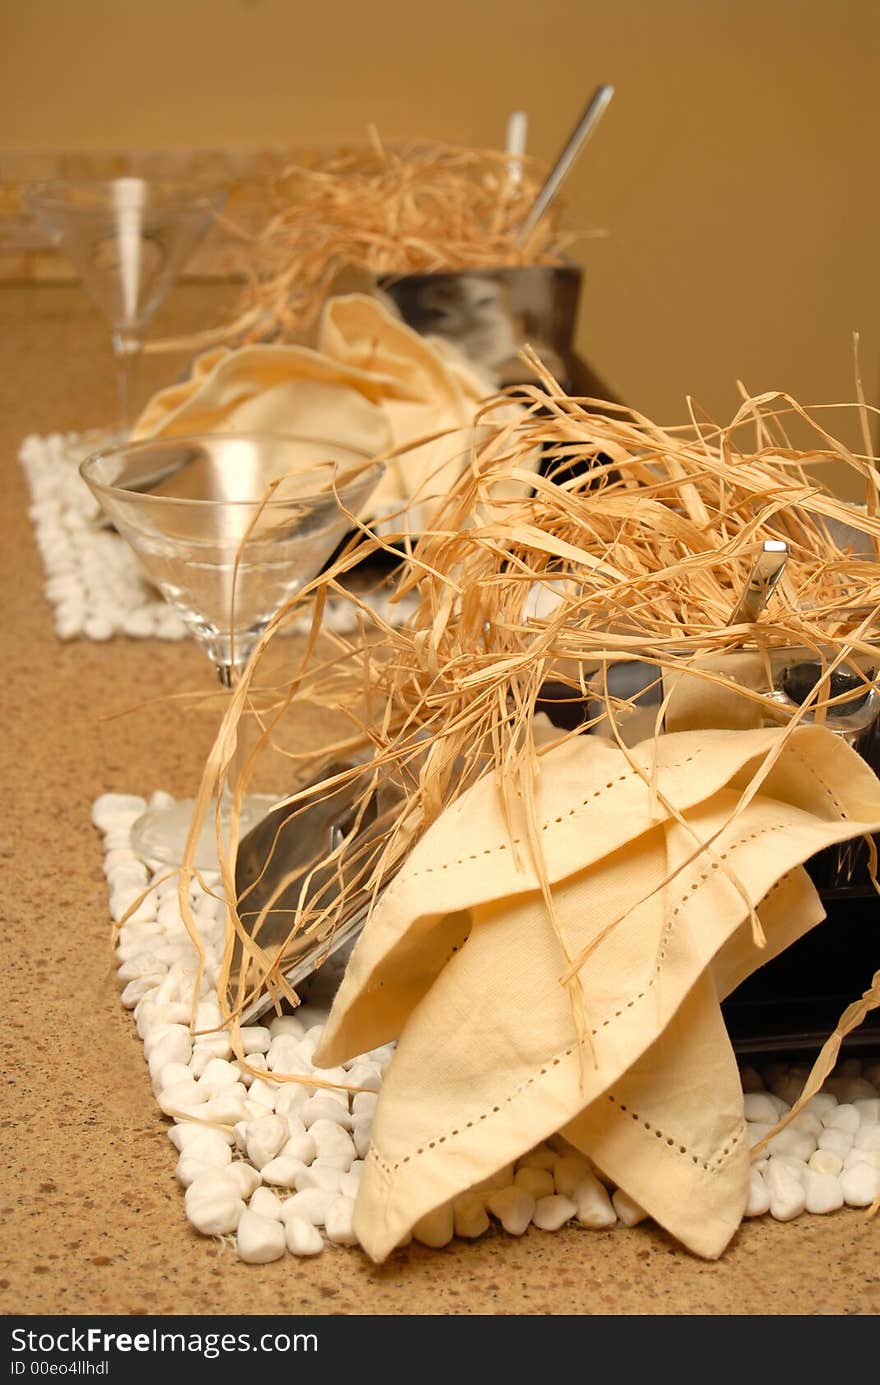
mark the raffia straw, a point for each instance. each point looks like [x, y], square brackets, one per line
[380, 209]
[647, 553]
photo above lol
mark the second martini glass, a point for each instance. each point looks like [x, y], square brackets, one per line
[227, 526]
[128, 238]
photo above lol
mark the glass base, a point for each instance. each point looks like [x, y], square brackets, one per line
[160, 834]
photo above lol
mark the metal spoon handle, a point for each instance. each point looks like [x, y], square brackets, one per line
[763, 577]
[515, 146]
[576, 141]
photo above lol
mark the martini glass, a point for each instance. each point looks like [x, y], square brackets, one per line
[128, 239]
[227, 526]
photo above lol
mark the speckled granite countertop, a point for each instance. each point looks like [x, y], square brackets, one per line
[93, 1217]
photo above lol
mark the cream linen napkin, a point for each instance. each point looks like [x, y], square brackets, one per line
[462, 964]
[370, 382]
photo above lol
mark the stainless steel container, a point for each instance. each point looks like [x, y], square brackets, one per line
[490, 314]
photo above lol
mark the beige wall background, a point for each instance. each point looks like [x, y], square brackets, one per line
[733, 179]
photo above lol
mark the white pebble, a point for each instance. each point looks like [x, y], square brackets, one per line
[111, 808]
[513, 1207]
[291, 1098]
[436, 1228]
[218, 1076]
[808, 1124]
[569, 1173]
[758, 1200]
[209, 1046]
[862, 1156]
[364, 1103]
[286, 1024]
[228, 1108]
[349, 1183]
[469, 1216]
[627, 1209]
[303, 1238]
[860, 1184]
[383, 1055]
[774, 1072]
[364, 1075]
[213, 1204]
[265, 1137]
[362, 1134]
[849, 1067]
[337, 1223]
[182, 1097]
[266, 1203]
[795, 1166]
[788, 1089]
[325, 1106]
[259, 1239]
[189, 1167]
[334, 1145]
[139, 624]
[822, 1192]
[868, 1109]
[142, 964]
[295, 1127]
[300, 1147]
[266, 1093]
[148, 1013]
[282, 1171]
[793, 1143]
[787, 1195]
[850, 1089]
[255, 1039]
[286, 1054]
[538, 1182]
[842, 1117]
[123, 901]
[756, 1131]
[170, 1075]
[317, 1176]
[821, 1103]
[593, 1202]
[208, 1015]
[502, 1178]
[867, 1137]
[311, 1204]
[245, 1176]
[758, 1107]
[751, 1080]
[202, 1142]
[256, 1069]
[552, 1212]
[256, 1110]
[541, 1157]
[168, 913]
[136, 990]
[840, 1141]
[825, 1161]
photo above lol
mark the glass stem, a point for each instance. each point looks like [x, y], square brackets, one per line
[229, 675]
[127, 350]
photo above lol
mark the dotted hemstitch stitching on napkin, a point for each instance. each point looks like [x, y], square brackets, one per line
[709, 1165]
[688, 898]
[545, 826]
[587, 803]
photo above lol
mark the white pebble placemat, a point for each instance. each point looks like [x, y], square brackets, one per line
[93, 581]
[276, 1165]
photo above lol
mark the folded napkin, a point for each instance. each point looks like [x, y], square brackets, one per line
[463, 964]
[369, 382]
